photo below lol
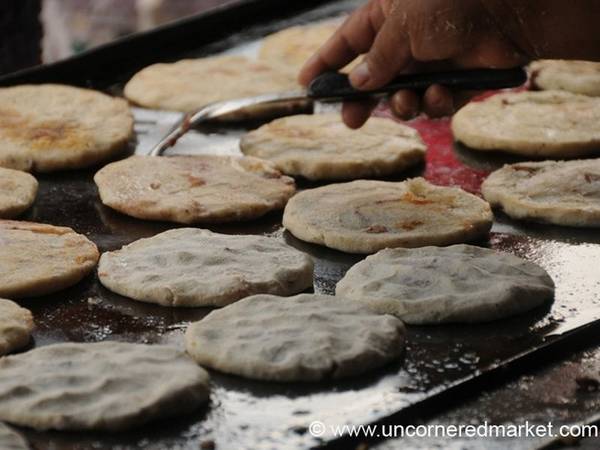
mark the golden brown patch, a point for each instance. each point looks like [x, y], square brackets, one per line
[40, 135]
[415, 200]
[39, 228]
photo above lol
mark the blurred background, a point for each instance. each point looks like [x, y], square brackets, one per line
[44, 31]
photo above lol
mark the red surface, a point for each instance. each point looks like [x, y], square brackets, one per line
[442, 167]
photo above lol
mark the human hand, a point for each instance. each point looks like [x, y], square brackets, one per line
[400, 36]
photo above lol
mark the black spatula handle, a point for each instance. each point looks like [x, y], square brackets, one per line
[334, 86]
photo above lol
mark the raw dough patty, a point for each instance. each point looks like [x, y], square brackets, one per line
[366, 216]
[190, 84]
[579, 77]
[302, 338]
[16, 324]
[53, 127]
[321, 147]
[192, 267]
[38, 259]
[551, 124]
[461, 283]
[17, 192]
[559, 192]
[193, 189]
[100, 386]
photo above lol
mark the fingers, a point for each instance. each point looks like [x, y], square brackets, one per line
[438, 101]
[355, 114]
[388, 56]
[353, 38]
[405, 104]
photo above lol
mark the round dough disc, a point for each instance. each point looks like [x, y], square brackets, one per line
[11, 440]
[99, 386]
[293, 46]
[558, 192]
[432, 285]
[321, 147]
[16, 324]
[38, 259]
[52, 127]
[17, 192]
[302, 338]
[192, 267]
[550, 124]
[579, 77]
[365, 216]
[193, 189]
[190, 84]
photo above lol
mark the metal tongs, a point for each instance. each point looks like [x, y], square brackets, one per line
[333, 87]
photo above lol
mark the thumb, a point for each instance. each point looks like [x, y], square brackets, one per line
[388, 56]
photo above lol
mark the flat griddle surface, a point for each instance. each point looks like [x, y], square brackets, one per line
[247, 414]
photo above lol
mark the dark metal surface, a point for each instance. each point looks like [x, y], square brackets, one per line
[246, 414]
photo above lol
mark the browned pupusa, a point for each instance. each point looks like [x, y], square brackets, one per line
[38, 259]
[194, 189]
[365, 216]
[52, 127]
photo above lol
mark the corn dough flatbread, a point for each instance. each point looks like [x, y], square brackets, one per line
[38, 259]
[578, 77]
[550, 124]
[99, 386]
[193, 189]
[17, 192]
[293, 46]
[11, 440]
[558, 192]
[321, 147]
[190, 84]
[16, 324]
[302, 338]
[51, 127]
[433, 285]
[192, 267]
[365, 216]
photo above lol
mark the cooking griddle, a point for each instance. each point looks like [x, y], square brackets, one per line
[441, 363]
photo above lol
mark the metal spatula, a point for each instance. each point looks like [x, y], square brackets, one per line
[335, 87]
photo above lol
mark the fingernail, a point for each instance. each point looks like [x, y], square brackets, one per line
[360, 75]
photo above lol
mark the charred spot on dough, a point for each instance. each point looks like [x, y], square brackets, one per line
[409, 226]
[387, 200]
[528, 169]
[376, 229]
[591, 177]
[272, 174]
[195, 181]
